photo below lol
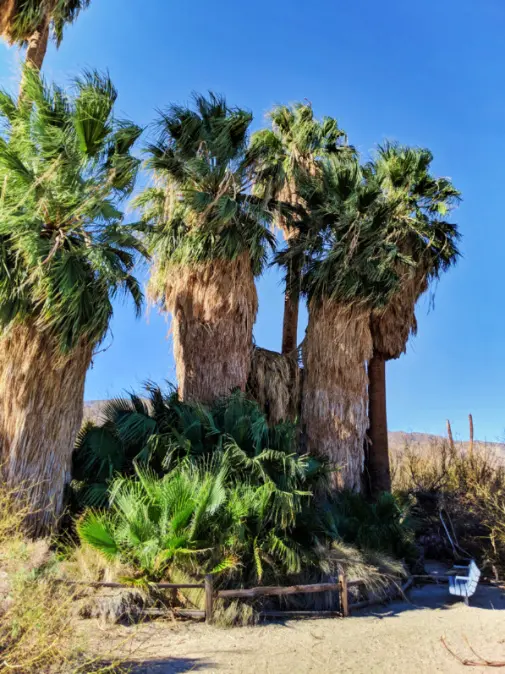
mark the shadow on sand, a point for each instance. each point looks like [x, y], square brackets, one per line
[436, 596]
[168, 666]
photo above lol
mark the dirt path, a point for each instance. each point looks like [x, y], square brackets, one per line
[399, 639]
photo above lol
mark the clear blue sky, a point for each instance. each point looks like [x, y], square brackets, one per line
[426, 73]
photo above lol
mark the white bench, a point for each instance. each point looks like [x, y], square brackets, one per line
[465, 584]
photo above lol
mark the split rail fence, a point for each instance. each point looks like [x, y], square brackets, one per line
[342, 587]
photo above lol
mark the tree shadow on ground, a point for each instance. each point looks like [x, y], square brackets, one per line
[168, 666]
[436, 596]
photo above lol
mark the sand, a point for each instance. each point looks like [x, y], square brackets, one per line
[398, 638]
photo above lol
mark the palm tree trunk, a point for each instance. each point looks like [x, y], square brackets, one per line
[274, 383]
[41, 407]
[291, 310]
[213, 309]
[37, 44]
[334, 404]
[378, 469]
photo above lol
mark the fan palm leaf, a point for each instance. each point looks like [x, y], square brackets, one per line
[65, 167]
[209, 236]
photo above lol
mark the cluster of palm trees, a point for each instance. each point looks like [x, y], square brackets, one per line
[362, 243]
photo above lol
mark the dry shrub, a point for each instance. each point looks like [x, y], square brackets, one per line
[468, 485]
[334, 405]
[274, 382]
[234, 614]
[37, 613]
[213, 307]
[84, 563]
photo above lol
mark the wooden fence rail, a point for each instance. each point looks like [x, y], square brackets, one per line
[342, 587]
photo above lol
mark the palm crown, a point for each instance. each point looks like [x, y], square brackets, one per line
[202, 208]
[19, 19]
[418, 228]
[347, 257]
[65, 166]
[282, 155]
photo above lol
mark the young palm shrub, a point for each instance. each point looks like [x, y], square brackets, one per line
[282, 157]
[419, 228]
[29, 23]
[350, 268]
[65, 165]
[162, 433]
[209, 238]
[194, 520]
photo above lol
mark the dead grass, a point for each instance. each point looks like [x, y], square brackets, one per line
[37, 613]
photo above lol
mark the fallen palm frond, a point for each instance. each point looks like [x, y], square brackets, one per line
[274, 382]
[334, 405]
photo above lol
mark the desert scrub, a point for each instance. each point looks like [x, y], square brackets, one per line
[468, 483]
[37, 625]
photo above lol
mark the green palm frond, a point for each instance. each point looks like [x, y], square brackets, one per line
[201, 207]
[64, 254]
[29, 14]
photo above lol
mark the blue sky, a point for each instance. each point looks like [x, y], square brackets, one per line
[426, 73]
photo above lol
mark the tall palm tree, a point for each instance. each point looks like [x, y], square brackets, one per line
[349, 269]
[282, 156]
[65, 166]
[418, 227]
[209, 237]
[29, 23]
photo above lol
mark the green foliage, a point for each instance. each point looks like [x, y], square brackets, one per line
[343, 240]
[418, 224]
[29, 14]
[65, 166]
[201, 208]
[363, 230]
[162, 432]
[199, 490]
[284, 156]
[382, 525]
[196, 519]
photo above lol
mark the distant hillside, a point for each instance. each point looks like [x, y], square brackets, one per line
[397, 439]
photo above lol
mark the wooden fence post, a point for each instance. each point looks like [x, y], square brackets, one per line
[344, 596]
[209, 598]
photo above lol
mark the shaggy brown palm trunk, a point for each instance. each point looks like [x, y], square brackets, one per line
[274, 382]
[213, 309]
[37, 45]
[334, 399]
[41, 406]
[7, 13]
[378, 468]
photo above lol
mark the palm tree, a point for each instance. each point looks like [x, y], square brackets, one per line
[418, 227]
[209, 237]
[65, 166]
[29, 23]
[281, 158]
[350, 268]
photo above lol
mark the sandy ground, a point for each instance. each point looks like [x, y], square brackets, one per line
[397, 638]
